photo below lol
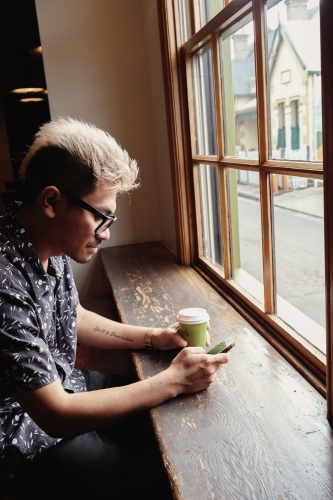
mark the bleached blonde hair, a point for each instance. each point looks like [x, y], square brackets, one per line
[66, 150]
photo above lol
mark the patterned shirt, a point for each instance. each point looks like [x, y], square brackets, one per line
[38, 339]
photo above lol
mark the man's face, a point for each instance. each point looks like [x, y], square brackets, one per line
[79, 240]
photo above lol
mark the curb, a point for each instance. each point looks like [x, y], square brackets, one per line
[256, 198]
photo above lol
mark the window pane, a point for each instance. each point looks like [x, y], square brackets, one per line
[239, 90]
[299, 255]
[294, 81]
[185, 20]
[210, 214]
[203, 91]
[209, 9]
[206, 10]
[244, 195]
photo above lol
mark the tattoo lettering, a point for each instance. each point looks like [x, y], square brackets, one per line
[111, 334]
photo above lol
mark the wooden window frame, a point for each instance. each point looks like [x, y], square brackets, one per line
[176, 63]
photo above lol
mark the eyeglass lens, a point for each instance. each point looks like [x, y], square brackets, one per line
[104, 226]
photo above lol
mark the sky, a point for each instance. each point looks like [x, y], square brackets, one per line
[273, 15]
[280, 10]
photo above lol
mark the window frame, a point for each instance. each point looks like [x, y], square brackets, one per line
[185, 162]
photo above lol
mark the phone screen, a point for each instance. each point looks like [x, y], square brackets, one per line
[223, 346]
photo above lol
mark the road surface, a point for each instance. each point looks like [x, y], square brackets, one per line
[299, 253]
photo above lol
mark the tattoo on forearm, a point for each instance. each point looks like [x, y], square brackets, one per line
[111, 334]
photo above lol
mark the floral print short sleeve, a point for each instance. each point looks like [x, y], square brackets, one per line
[37, 340]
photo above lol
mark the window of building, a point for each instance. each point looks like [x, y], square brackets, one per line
[294, 139]
[248, 152]
[281, 132]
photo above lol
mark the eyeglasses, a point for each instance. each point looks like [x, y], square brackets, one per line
[107, 220]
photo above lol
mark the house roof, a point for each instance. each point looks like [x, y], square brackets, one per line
[307, 49]
[243, 70]
[248, 107]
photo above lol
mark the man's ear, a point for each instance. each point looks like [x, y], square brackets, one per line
[50, 198]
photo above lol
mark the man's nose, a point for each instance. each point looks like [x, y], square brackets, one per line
[105, 235]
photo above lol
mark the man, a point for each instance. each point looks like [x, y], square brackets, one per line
[49, 411]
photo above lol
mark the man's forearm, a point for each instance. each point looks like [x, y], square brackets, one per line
[96, 331]
[61, 414]
[64, 415]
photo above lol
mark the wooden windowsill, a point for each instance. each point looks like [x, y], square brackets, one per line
[260, 431]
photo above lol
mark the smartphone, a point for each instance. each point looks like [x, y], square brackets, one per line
[223, 346]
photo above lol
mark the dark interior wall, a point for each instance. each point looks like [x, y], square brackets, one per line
[22, 122]
[21, 66]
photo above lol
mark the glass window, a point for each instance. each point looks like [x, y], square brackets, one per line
[239, 90]
[210, 205]
[194, 14]
[185, 20]
[208, 9]
[294, 80]
[259, 202]
[203, 92]
[299, 255]
[294, 138]
[244, 195]
[281, 135]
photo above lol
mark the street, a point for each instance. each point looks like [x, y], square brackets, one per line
[299, 254]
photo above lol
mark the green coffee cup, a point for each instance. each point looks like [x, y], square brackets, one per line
[193, 326]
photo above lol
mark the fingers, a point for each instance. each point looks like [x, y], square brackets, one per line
[207, 339]
[222, 358]
[196, 358]
[179, 340]
[195, 350]
[197, 369]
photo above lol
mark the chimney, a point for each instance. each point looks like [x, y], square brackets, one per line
[241, 47]
[297, 10]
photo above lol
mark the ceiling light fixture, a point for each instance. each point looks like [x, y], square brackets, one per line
[32, 99]
[27, 90]
[36, 51]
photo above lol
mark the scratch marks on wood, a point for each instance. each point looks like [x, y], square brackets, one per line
[141, 296]
[221, 375]
[147, 300]
[185, 422]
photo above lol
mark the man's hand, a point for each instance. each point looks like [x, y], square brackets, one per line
[170, 338]
[167, 338]
[195, 370]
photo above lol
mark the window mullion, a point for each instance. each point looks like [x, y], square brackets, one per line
[190, 97]
[261, 79]
[265, 185]
[326, 24]
[224, 209]
[195, 15]
[267, 242]
[217, 93]
[225, 220]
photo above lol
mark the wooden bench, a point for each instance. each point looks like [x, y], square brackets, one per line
[260, 431]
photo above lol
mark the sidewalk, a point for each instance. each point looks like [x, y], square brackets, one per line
[307, 201]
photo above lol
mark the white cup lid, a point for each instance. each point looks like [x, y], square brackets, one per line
[193, 315]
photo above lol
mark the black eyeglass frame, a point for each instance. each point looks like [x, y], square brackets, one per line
[107, 220]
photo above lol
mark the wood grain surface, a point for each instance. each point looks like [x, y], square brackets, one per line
[260, 431]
